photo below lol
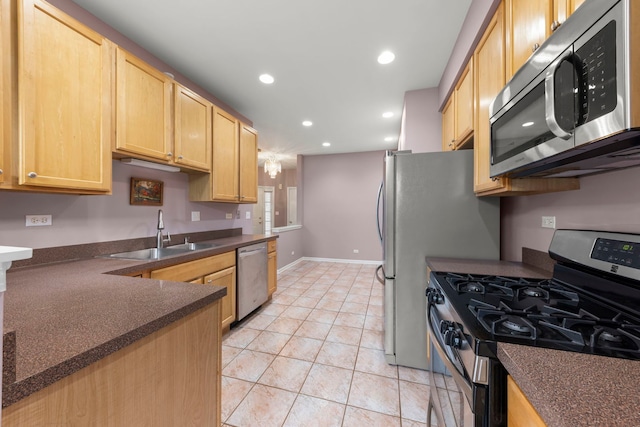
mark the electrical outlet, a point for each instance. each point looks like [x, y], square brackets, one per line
[293, 252]
[247, 215]
[356, 251]
[37, 220]
[229, 216]
[238, 214]
[548, 222]
[195, 216]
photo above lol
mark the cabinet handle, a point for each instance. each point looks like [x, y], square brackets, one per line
[179, 157]
[32, 175]
[1, 171]
[555, 25]
[495, 178]
[169, 154]
[209, 281]
[535, 47]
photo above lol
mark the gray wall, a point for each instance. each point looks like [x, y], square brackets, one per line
[87, 219]
[340, 192]
[421, 124]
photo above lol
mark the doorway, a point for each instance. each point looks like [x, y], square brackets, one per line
[263, 211]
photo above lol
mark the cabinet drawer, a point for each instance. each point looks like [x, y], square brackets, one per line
[271, 246]
[188, 271]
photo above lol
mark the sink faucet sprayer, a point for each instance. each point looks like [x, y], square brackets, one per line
[160, 241]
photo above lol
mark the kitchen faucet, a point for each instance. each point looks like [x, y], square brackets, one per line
[160, 241]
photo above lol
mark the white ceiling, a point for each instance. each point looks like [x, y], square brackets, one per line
[322, 54]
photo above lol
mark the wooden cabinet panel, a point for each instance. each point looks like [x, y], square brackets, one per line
[191, 270]
[520, 412]
[490, 63]
[224, 175]
[529, 26]
[226, 278]
[248, 164]
[192, 125]
[464, 106]
[272, 273]
[6, 59]
[448, 125]
[65, 101]
[143, 118]
[271, 246]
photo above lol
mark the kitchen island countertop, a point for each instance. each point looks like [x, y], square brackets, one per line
[567, 389]
[63, 316]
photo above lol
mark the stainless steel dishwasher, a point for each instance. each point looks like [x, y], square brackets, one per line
[252, 278]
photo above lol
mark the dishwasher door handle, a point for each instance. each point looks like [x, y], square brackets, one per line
[248, 252]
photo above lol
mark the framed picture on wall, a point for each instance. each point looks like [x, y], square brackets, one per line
[146, 192]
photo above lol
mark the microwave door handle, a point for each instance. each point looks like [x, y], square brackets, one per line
[549, 97]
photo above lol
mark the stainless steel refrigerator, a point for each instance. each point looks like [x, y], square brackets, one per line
[427, 208]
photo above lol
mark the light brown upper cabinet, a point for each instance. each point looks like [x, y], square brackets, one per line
[457, 114]
[64, 102]
[490, 69]
[234, 166]
[248, 164]
[530, 23]
[192, 140]
[448, 125]
[5, 93]
[143, 109]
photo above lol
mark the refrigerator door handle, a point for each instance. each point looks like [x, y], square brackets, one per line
[378, 210]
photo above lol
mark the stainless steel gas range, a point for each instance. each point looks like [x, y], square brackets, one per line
[590, 305]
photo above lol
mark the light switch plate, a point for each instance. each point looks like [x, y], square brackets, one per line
[195, 216]
[247, 214]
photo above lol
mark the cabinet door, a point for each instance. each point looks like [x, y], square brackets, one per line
[272, 273]
[226, 278]
[248, 164]
[448, 125]
[464, 106]
[192, 141]
[65, 101]
[529, 26]
[143, 109]
[520, 412]
[5, 84]
[224, 174]
[489, 60]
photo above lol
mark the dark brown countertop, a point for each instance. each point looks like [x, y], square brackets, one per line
[566, 388]
[573, 389]
[61, 317]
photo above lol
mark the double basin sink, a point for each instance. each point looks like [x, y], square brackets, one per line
[159, 253]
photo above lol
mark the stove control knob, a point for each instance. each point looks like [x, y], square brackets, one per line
[445, 326]
[452, 338]
[434, 296]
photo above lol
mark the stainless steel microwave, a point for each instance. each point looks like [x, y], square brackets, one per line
[574, 107]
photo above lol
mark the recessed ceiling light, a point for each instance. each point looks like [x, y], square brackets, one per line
[307, 123]
[326, 144]
[527, 124]
[387, 115]
[386, 57]
[266, 79]
[389, 138]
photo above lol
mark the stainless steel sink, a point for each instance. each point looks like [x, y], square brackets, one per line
[192, 246]
[154, 253]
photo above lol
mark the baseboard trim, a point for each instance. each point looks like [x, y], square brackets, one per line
[336, 260]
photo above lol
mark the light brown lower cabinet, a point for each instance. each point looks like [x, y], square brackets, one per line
[272, 268]
[217, 270]
[520, 412]
[169, 378]
[226, 278]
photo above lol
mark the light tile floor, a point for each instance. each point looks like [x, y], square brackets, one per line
[313, 356]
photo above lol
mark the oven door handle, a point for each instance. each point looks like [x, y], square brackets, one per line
[550, 96]
[448, 358]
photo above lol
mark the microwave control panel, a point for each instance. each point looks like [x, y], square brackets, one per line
[597, 74]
